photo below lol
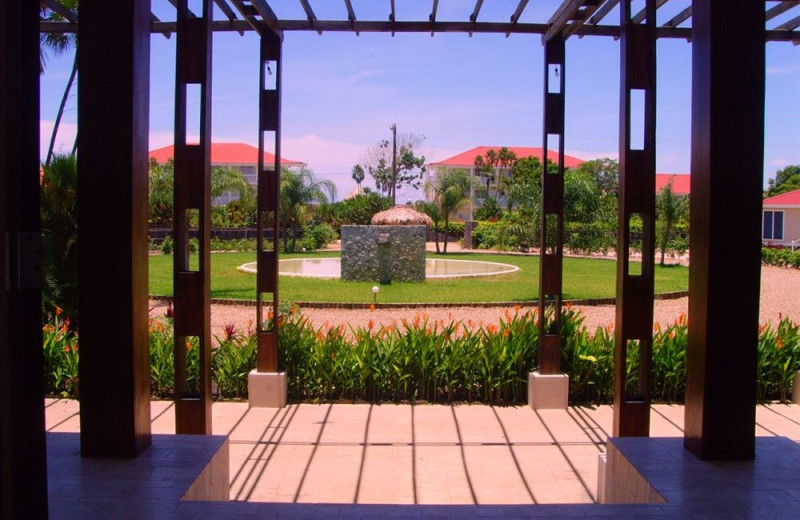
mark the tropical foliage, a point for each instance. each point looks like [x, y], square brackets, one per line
[59, 213]
[787, 179]
[422, 359]
[451, 193]
[300, 189]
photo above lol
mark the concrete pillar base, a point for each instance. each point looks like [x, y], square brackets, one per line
[266, 389]
[548, 391]
[601, 478]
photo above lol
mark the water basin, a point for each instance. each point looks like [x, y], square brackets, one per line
[434, 268]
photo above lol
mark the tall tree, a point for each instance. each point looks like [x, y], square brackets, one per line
[59, 211]
[670, 209]
[358, 174]
[452, 193]
[410, 168]
[431, 209]
[787, 179]
[59, 44]
[299, 190]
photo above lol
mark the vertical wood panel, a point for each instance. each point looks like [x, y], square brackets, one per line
[551, 258]
[192, 196]
[23, 469]
[269, 179]
[113, 111]
[724, 276]
[637, 167]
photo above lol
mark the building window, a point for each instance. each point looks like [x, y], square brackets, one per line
[249, 173]
[773, 225]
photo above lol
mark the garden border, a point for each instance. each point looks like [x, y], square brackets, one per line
[366, 305]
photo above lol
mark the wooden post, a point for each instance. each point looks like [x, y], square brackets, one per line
[551, 238]
[724, 276]
[192, 209]
[113, 113]
[23, 467]
[269, 181]
[637, 185]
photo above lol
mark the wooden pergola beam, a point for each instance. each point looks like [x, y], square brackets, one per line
[475, 12]
[228, 11]
[518, 11]
[587, 29]
[575, 11]
[61, 10]
[779, 9]
[791, 25]
[309, 14]
[679, 18]
[641, 15]
[602, 12]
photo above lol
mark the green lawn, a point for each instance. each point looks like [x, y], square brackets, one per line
[583, 278]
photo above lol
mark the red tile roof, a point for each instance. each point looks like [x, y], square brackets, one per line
[790, 198]
[467, 159]
[681, 184]
[226, 153]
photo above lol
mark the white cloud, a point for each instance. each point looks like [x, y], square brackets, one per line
[590, 156]
[779, 162]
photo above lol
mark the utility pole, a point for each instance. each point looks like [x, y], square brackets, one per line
[393, 128]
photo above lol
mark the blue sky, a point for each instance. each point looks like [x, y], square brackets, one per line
[341, 92]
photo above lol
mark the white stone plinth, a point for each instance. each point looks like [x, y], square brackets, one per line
[796, 388]
[601, 478]
[266, 389]
[548, 391]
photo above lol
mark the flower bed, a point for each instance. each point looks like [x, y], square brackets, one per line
[421, 359]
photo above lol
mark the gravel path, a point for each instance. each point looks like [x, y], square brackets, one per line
[780, 293]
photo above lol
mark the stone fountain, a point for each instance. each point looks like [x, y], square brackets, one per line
[391, 249]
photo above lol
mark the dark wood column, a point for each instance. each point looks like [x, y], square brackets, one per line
[551, 238]
[192, 210]
[269, 181]
[23, 468]
[113, 115]
[633, 334]
[724, 277]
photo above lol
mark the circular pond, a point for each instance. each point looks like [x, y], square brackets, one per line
[434, 268]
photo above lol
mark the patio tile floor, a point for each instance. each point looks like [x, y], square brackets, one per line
[421, 454]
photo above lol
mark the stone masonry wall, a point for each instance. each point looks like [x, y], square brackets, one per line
[405, 252]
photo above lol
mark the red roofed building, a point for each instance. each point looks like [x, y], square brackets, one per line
[780, 222]
[240, 156]
[681, 184]
[480, 191]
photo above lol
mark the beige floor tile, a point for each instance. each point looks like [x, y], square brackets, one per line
[522, 425]
[346, 423]
[441, 478]
[494, 476]
[390, 424]
[434, 424]
[478, 425]
[387, 476]
[332, 476]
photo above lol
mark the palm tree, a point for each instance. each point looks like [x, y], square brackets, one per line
[670, 209]
[58, 44]
[59, 211]
[452, 193]
[432, 210]
[358, 174]
[299, 189]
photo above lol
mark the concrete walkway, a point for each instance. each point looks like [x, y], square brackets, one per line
[420, 454]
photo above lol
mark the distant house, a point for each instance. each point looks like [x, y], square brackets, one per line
[466, 161]
[239, 156]
[780, 221]
[480, 191]
[681, 184]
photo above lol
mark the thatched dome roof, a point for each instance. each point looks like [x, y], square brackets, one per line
[401, 215]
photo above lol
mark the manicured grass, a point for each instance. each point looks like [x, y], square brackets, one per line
[583, 278]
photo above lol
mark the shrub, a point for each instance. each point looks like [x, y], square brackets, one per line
[421, 359]
[780, 256]
[320, 235]
[167, 246]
